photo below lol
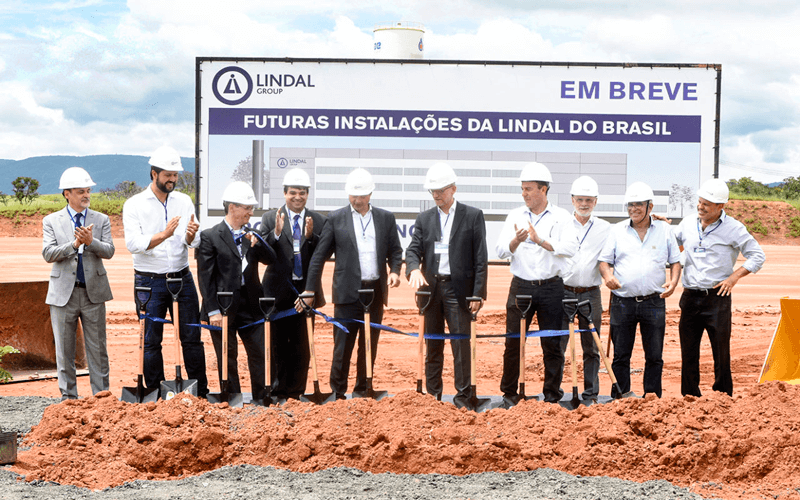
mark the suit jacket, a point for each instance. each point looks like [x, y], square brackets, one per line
[339, 236]
[467, 251]
[278, 277]
[220, 268]
[59, 232]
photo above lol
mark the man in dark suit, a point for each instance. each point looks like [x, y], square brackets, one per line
[227, 260]
[293, 232]
[448, 254]
[365, 240]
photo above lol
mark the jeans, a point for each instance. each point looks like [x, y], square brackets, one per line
[444, 306]
[591, 354]
[549, 311]
[193, 352]
[650, 315]
[711, 313]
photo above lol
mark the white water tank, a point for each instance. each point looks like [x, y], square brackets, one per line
[401, 40]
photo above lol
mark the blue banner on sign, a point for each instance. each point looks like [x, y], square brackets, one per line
[452, 124]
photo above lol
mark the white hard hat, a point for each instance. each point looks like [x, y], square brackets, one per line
[714, 190]
[638, 191]
[241, 193]
[584, 186]
[439, 176]
[297, 177]
[75, 177]
[359, 183]
[166, 158]
[535, 172]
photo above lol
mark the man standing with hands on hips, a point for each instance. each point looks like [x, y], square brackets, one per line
[160, 227]
[539, 238]
[448, 254]
[365, 240]
[293, 233]
[711, 243]
[640, 249]
[76, 240]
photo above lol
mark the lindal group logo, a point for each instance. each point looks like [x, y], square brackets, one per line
[232, 85]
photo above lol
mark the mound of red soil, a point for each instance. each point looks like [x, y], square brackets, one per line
[744, 443]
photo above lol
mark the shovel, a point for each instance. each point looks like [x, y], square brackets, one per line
[169, 388]
[575, 402]
[588, 317]
[267, 305]
[423, 301]
[366, 296]
[475, 403]
[519, 300]
[140, 394]
[234, 399]
[318, 397]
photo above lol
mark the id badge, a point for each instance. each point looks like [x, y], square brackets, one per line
[699, 253]
[440, 247]
[296, 246]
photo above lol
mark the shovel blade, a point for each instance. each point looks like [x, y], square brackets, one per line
[318, 398]
[478, 405]
[267, 399]
[139, 394]
[171, 388]
[370, 393]
[574, 403]
[234, 399]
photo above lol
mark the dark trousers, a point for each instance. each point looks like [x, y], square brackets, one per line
[253, 342]
[591, 355]
[344, 342]
[444, 306]
[711, 313]
[191, 343]
[290, 356]
[549, 310]
[650, 315]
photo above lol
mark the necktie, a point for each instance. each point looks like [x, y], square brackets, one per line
[79, 276]
[298, 263]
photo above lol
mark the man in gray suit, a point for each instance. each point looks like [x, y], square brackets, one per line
[75, 241]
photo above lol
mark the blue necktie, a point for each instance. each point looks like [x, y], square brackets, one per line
[80, 277]
[298, 263]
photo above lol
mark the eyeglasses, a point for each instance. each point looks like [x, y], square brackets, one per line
[249, 208]
[637, 204]
[440, 192]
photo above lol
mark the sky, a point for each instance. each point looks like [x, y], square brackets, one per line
[85, 77]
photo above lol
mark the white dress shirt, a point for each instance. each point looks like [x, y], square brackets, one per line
[640, 265]
[585, 268]
[364, 227]
[530, 261]
[143, 216]
[711, 253]
[446, 223]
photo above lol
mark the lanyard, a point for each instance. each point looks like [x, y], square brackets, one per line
[445, 222]
[700, 233]
[75, 222]
[166, 221]
[364, 227]
[530, 216]
[580, 243]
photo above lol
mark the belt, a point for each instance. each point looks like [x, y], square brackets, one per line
[162, 276]
[443, 277]
[78, 284]
[579, 289]
[373, 284]
[642, 298]
[539, 282]
[700, 292]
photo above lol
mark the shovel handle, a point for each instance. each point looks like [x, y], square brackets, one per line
[470, 301]
[171, 282]
[473, 341]
[570, 312]
[366, 296]
[602, 354]
[267, 306]
[303, 298]
[225, 301]
[423, 299]
[224, 348]
[368, 343]
[312, 351]
[518, 301]
[572, 352]
[141, 296]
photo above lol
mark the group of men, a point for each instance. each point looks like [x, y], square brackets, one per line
[554, 254]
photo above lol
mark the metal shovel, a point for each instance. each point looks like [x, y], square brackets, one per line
[140, 394]
[423, 301]
[475, 403]
[267, 305]
[366, 296]
[575, 402]
[588, 317]
[318, 397]
[234, 399]
[519, 300]
[169, 388]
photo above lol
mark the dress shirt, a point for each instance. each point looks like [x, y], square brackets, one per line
[719, 245]
[640, 266]
[585, 268]
[530, 261]
[300, 222]
[143, 216]
[446, 224]
[364, 227]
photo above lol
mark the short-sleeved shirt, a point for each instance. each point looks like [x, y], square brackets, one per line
[585, 268]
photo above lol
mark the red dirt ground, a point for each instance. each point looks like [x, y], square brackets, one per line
[730, 448]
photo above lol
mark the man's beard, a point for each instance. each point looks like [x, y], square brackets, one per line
[163, 186]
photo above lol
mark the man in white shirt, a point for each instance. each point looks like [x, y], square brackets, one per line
[711, 242]
[160, 227]
[584, 280]
[539, 238]
[640, 249]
